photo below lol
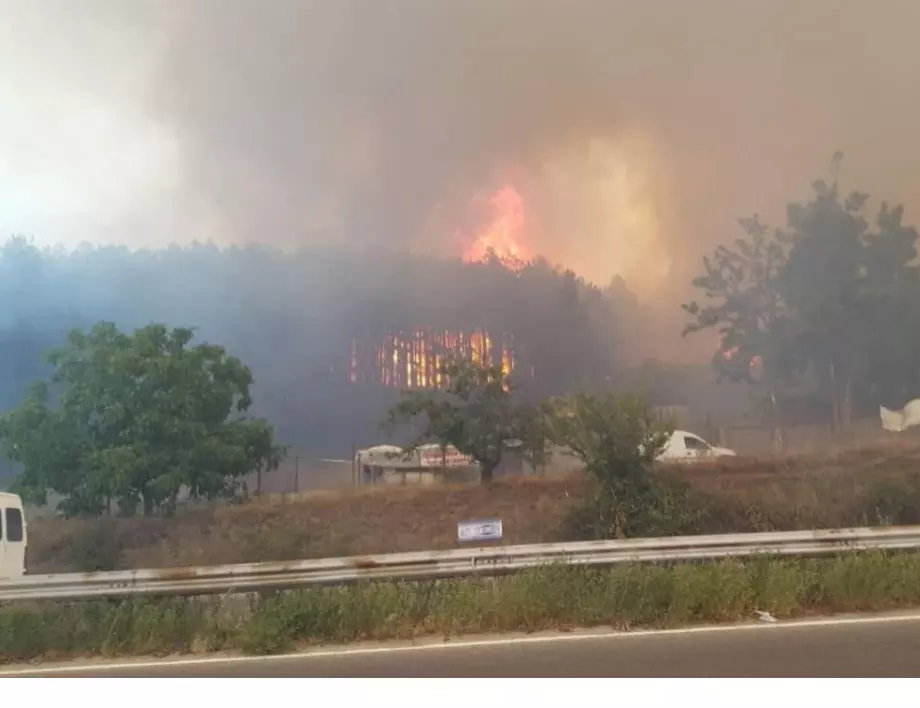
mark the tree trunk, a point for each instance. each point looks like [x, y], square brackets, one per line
[486, 473]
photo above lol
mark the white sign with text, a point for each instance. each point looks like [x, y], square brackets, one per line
[481, 530]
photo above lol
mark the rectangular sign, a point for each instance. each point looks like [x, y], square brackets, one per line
[481, 530]
[450, 458]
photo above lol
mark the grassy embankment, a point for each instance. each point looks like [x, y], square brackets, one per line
[874, 486]
[550, 598]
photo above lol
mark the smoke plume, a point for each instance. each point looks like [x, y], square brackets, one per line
[636, 131]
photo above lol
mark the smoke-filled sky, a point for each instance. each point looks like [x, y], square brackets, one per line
[635, 131]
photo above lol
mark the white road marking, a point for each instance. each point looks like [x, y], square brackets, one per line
[462, 644]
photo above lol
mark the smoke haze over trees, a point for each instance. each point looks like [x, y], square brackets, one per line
[299, 321]
[820, 316]
[352, 139]
[631, 127]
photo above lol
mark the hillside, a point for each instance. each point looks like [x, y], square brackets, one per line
[869, 486]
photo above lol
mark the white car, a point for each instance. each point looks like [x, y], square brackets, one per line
[687, 447]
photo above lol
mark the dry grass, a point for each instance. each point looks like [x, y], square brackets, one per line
[321, 524]
[828, 488]
[795, 492]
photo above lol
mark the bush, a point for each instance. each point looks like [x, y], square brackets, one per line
[667, 507]
[890, 503]
[618, 438]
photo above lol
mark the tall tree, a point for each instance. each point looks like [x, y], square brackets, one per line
[824, 294]
[136, 418]
[892, 293]
[475, 412]
[745, 304]
[822, 282]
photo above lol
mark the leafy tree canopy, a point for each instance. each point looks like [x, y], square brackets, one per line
[475, 412]
[825, 307]
[134, 418]
[618, 438]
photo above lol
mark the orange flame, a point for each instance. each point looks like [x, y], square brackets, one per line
[503, 233]
[729, 354]
[413, 359]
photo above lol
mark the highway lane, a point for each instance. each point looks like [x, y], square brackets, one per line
[880, 646]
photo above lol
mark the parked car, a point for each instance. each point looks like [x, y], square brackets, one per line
[687, 447]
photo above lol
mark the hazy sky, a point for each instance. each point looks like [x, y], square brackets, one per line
[636, 131]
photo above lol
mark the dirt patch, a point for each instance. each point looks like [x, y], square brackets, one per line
[752, 495]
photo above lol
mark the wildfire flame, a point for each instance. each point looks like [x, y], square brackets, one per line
[729, 354]
[414, 359]
[503, 234]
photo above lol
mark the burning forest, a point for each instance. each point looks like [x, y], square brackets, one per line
[412, 357]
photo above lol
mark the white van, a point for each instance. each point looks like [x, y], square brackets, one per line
[12, 536]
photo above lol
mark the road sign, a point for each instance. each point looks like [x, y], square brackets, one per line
[480, 530]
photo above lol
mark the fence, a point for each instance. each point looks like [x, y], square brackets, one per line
[300, 472]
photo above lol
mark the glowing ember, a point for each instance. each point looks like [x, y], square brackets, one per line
[503, 234]
[729, 354]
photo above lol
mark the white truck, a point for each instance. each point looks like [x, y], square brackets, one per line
[687, 447]
[12, 537]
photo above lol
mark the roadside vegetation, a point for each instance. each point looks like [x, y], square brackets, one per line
[877, 486]
[552, 598]
[125, 422]
[129, 426]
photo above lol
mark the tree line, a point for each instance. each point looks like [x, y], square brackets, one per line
[293, 317]
[817, 314]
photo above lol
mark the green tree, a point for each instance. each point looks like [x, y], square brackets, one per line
[618, 438]
[136, 418]
[475, 412]
[744, 302]
[823, 282]
[825, 295]
[892, 293]
[854, 292]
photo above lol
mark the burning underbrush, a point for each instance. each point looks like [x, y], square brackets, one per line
[871, 486]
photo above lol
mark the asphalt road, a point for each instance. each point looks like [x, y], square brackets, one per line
[881, 646]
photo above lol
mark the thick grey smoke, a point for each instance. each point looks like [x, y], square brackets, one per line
[297, 121]
[357, 117]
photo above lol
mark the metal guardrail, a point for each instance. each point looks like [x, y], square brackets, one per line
[253, 577]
